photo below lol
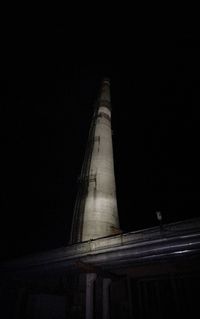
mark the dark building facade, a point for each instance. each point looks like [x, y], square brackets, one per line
[149, 273]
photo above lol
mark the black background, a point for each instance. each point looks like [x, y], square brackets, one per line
[50, 81]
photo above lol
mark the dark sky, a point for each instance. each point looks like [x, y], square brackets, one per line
[48, 89]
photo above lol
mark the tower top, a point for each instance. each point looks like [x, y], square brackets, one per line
[106, 80]
[104, 95]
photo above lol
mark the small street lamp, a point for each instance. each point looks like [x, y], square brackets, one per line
[159, 218]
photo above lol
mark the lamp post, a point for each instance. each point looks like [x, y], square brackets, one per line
[159, 218]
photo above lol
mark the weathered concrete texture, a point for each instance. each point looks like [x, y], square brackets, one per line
[98, 214]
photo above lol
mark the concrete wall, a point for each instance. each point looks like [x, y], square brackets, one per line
[101, 214]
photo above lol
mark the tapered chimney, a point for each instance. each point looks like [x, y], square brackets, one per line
[95, 212]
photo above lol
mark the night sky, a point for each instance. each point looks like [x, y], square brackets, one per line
[48, 89]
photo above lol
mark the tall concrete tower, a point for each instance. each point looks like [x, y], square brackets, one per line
[95, 212]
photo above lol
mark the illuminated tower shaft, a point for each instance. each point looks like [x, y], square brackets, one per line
[95, 213]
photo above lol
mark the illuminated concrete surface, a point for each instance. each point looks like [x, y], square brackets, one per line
[105, 273]
[96, 213]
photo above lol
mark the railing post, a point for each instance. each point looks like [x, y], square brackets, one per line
[90, 278]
